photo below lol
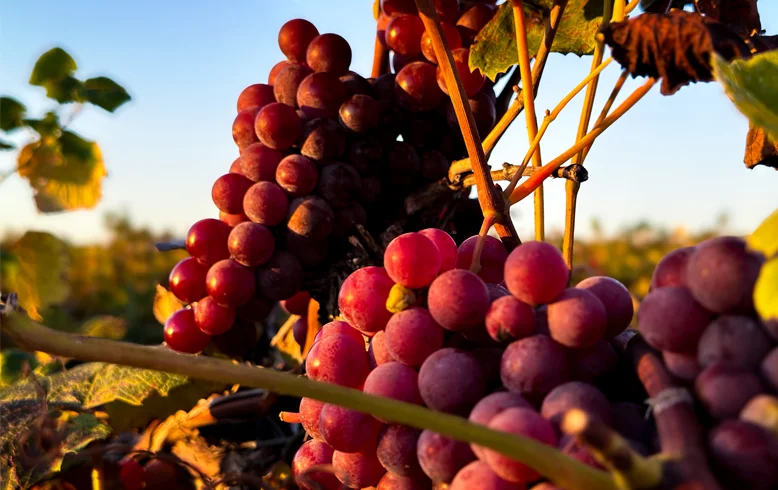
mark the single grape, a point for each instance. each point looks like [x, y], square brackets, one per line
[396, 449]
[339, 327]
[206, 241]
[259, 162]
[359, 113]
[533, 366]
[591, 364]
[339, 184]
[577, 318]
[338, 359]
[403, 34]
[213, 318]
[355, 83]
[229, 283]
[232, 219]
[383, 87]
[509, 319]
[297, 175]
[277, 68]
[473, 20]
[458, 300]
[478, 476]
[724, 389]
[132, 475]
[575, 394]
[280, 277]
[485, 410]
[446, 245]
[671, 270]
[412, 260]
[670, 319]
[243, 132]
[615, 298]
[736, 340]
[391, 7]
[187, 280]
[255, 96]
[320, 95]
[288, 82]
[394, 380]
[310, 217]
[297, 304]
[769, 369]
[251, 244]
[329, 53]
[362, 299]
[313, 453]
[358, 470]
[448, 10]
[416, 87]
[441, 457]
[412, 336]
[377, 352]
[265, 203]
[745, 455]
[347, 430]
[683, 366]
[182, 334]
[391, 481]
[278, 126]
[472, 81]
[238, 340]
[346, 218]
[403, 164]
[536, 273]
[442, 377]
[721, 274]
[523, 422]
[453, 39]
[163, 475]
[294, 37]
[323, 140]
[310, 414]
[228, 191]
[256, 310]
[235, 166]
[493, 256]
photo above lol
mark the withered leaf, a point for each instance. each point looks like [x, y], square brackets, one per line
[760, 149]
[741, 16]
[675, 47]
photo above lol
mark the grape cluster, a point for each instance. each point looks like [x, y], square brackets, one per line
[321, 149]
[511, 347]
[699, 312]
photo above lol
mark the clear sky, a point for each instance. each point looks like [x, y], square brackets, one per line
[676, 161]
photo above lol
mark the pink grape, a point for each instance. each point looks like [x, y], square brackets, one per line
[485, 410]
[458, 300]
[523, 422]
[358, 470]
[377, 351]
[442, 377]
[338, 359]
[724, 389]
[259, 162]
[251, 244]
[683, 366]
[509, 319]
[313, 453]
[745, 454]
[339, 327]
[615, 298]
[412, 335]
[228, 191]
[533, 366]
[446, 246]
[396, 449]
[736, 340]
[394, 380]
[442, 457]
[493, 256]
[347, 430]
[671, 270]
[536, 273]
[670, 319]
[310, 413]
[575, 394]
[297, 304]
[362, 299]
[265, 203]
[412, 260]
[478, 476]
[577, 318]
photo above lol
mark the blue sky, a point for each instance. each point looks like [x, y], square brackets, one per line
[676, 161]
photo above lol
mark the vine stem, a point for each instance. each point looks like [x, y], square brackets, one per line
[528, 97]
[548, 169]
[555, 17]
[548, 461]
[491, 199]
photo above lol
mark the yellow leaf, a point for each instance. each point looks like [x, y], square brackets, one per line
[285, 343]
[165, 304]
[36, 269]
[105, 326]
[765, 238]
[766, 291]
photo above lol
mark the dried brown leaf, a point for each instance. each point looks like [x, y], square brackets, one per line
[760, 149]
[675, 47]
[741, 16]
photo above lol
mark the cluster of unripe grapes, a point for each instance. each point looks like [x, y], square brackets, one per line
[511, 347]
[700, 314]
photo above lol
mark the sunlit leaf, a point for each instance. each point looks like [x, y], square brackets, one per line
[54, 64]
[46, 127]
[750, 84]
[104, 92]
[760, 148]
[766, 291]
[105, 326]
[165, 304]
[494, 49]
[11, 113]
[36, 270]
[765, 238]
[64, 90]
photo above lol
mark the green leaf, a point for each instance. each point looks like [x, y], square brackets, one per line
[66, 173]
[14, 364]
[104, 92]
[46, 127]
[105, 326]
[165, 304]
[11, 113]
[36, 270]
[54, 64]
[766, 290]
[64, 90]
[765, 238]
[494, 50]
[750, 84]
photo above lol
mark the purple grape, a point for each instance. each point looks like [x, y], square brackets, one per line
[442, 377]
[434, 166]
[724, 389]
[491, 405]
[441, 457]
[366, 155]
[489, 360]
[403, 164]
[509, 319]
[533, 366]
[281, 277]
[396, 449]
[615, 298]
[412, 336]
[745, 454]
[493, 258]
[347, 430]
[523, 422]
[670, 319]
[458, 300]
[575, 395]
[320, 95]
[339, 184]
[683, 366]
[671, 270]
[359, 113]
[536, 273]
[736, 340]
[323, 140]
[394, 380]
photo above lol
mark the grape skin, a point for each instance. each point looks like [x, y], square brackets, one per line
[416, 87]
[575, 394]
[377, 351]
[358, 470]
[591, 364]
[683, 366]
[615, 298]
[288, 82]
[294, 37]
[321, 95]
[329, 53]
[213, 318]
[484, 411]
[458, 300]
[310, 414]
[394, 380]
[536, 273]
[313, 453]
[478, 476]
[441, 457]
[362, 299]
[297, 304]
[280, 277]
[396, 450]
[670, 319]
[338, 359]
[671, 270]
[442, 377]
[229, 283]
[243, 129]
[403, 34]
[259, 162]
[724, 389]
[206, 241]
[745, 454]
[447, 247]
[251, 244]
[412, 260]
[278, 126]
[347, 430]
[187, 280]
[255, 96]
[577, 318]
[493, 256]
[265, 203]
[182, 334]
[509, 319]
[533, 366]
[412, 335]
[310, 217]
[524, 422]
[391, 481]
[736, 340]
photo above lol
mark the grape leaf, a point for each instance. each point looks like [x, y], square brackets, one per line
[165, 304]
[54, 64]
[766, 290]
[765, 238]
[36, 269]
[11, 113]
[48, 126]
[494, 48]
[105, 326]
[750, 84]
[13, 364]
[105, 93]
[65, 173]
[760, 149]
[64, 90]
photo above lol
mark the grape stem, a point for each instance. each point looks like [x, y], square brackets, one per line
[171, 245]
[548, 461]
[380, 59]
[491, 199]
[528, 96]
[508, 172]
[548, 169]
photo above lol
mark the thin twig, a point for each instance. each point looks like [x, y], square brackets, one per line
[548, 169]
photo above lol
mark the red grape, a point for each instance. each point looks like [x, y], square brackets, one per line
[230, 283]
[288, 82]
[213, 318]
[448, 10]
[329, 53]
[485, 410]
[396, 449]
[300, 331]
[182, 334]
[297, 304]
[381, 24]
[478, 476]
[206, 240]
[442, 377]
[339, 327]
[575, 394]
[453, 39]
[412, 260]
[265, 203]
[392, 481]
[347, 430]
[416, 87]
[472, 81]
[187, 280]
[493, 258]
[536, 273]
[358, 470]
[509, 319]
[391, 7]
[724, 389]
[323, 140]
[412, 335]
[228, 191]
[745, 454]
[441, 457]
[278, 126]
[356, 84]
[251, 244]
[523, 422]
[243, 132]
[473, 20]
[280, 277]
[458, 300]
[577, 318]
[533, 366]
[310, 414]
[362, 299]
[339, 184]
[297, 175]
[359, 113]
[232, 219]
[338, 359]
[235, 166]
[671, 270]
[447, 247]
[132, 475]
[314, 453]
[736, 340]
[320, 95]
[255, 96]
[377, 352]
[769, 369]
[310, 217]
[670, 319]
[403, 34]
[258, 162]
[394, 380]
[683, 366]
[615, 298]
[277, 68]
[294, 37]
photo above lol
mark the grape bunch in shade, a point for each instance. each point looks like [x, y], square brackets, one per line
[511, 347]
